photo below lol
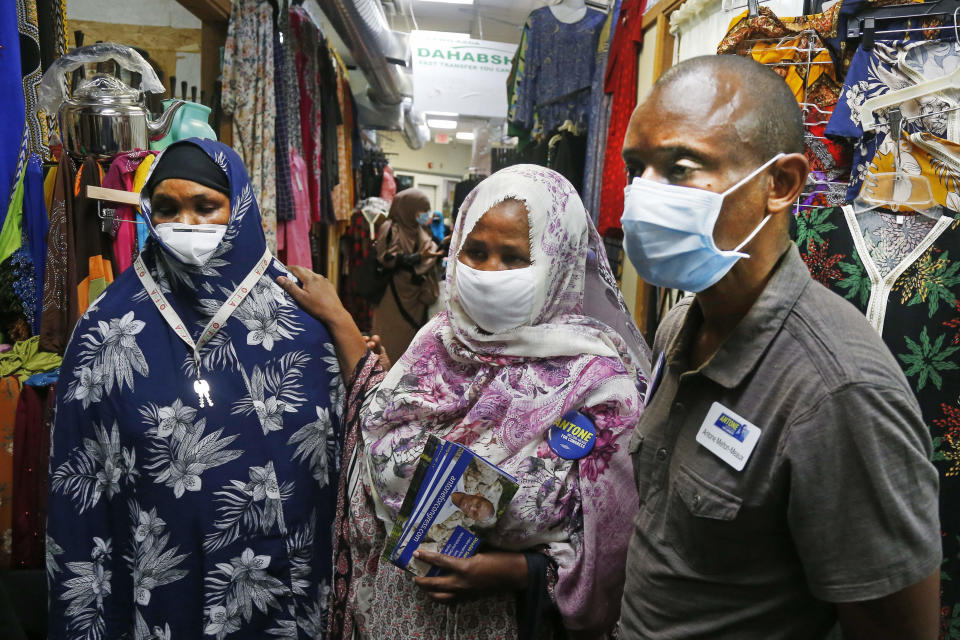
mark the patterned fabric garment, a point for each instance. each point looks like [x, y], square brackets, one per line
[93, 248]
[600, 104]
[27, 20]
[140, 179]
[621, 81]
[169, 519]
[36, 225]
[355, 244]
[59, 303]
[903, 272]
[498, 394]
[814, 85]
[890, 66]
[121, 176]
[306, 43]
[23, 240]
[786, 55]
[554, 83]
[52, 23]
[347, 577]
[290, 83]
[21, 266]
[283, 125]
[343, 196]
[923, 154]
[295, 234]
[248, 95]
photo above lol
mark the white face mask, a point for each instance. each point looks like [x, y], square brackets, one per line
[191, 243]
[496, 300]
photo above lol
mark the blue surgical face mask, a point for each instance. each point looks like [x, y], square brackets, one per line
[424, 218]
[668, 233]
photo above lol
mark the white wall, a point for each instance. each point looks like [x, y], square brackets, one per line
[451, 159]
[153, 13]
[188, 68]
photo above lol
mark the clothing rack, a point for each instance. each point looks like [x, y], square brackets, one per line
[805, 43]
[864, 25]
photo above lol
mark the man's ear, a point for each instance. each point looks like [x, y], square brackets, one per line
[789, 177]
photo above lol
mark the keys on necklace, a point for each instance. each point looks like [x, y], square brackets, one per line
[202, 387]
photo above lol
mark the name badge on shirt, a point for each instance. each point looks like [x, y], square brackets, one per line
[728, 436]
[654, 380]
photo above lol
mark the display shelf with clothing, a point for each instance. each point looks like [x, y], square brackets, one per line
[550, 85]
[890, 252]
[301, 93]
[796, 49]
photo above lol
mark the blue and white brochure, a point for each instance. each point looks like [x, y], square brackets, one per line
[454, 497]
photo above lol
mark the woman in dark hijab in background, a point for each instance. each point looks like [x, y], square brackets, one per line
[406, 248]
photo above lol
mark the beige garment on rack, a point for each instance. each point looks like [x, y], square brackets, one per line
[343, 193]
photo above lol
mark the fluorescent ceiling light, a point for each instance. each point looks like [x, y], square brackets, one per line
[450, 1]
[442, 124]
[464, 135]
[443, 114]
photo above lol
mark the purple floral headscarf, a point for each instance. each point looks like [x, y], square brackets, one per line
[499, 394]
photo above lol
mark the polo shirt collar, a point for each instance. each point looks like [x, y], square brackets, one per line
[742, 350]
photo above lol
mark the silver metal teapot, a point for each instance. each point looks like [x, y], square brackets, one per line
[105, 116]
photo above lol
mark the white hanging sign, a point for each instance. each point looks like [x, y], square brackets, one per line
[453, 73]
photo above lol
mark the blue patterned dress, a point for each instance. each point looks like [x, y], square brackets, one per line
[553, 82]
[171, 521]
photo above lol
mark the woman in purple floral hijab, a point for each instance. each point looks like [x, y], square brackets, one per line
[467, 377]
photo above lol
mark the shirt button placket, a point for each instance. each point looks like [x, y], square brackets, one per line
[661, 454]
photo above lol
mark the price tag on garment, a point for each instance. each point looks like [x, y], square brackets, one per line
[572, 436]
[654, 379]
[728, 436]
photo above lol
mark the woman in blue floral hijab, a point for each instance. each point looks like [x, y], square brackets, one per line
[193, 462]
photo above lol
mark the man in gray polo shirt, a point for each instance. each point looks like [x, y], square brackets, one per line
[781, 463]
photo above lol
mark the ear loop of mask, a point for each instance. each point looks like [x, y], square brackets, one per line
[753, 174]
[750, 176]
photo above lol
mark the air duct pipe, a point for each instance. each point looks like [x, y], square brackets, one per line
[415, 130]
[377, 50]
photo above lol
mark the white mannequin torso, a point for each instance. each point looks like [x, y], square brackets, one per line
[569, 11]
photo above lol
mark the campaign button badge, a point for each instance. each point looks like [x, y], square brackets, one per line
[572, 436]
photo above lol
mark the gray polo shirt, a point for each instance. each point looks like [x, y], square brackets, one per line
[836, 500]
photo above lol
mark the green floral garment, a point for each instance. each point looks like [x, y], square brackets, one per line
[903, 272]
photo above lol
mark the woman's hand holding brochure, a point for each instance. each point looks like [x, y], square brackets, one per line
[492, 571]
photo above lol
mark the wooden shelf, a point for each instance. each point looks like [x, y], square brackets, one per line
[212, 10]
